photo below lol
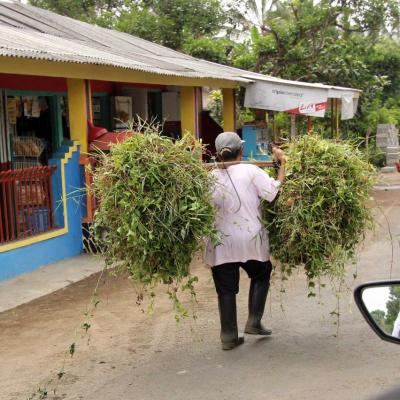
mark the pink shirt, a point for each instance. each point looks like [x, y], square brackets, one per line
[243, 237]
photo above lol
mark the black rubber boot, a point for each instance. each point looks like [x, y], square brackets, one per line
[228, 317]
[257, 298]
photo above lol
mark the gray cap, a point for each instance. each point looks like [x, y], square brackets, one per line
[229, 141]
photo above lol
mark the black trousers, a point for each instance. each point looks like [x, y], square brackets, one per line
[226, 276]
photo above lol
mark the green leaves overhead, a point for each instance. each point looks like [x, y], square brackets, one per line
[167, 22]
[171, 22]
[86, 10]
[211, 49]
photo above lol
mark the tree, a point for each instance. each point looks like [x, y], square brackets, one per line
[218, 50]
[371, 17]
[290, 38]
[172, 22]
[379, 318]
[393, 307]
[343, 43]
[185, 25]
[86, 10]
[384, 60]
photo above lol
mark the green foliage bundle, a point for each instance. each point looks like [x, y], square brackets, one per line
[321, 213]
[154, 208]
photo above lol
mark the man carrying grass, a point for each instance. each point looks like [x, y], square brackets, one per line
[244, 241]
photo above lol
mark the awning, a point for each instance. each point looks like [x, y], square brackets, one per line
[299, 97]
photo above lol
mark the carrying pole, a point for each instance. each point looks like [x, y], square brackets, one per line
[309, 124]
[223, 165]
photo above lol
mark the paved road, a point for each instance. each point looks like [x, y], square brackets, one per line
[135, 356]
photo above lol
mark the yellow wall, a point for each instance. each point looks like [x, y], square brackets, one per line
[78, 117]
[24, 66]
[188, 105]
[229, 111]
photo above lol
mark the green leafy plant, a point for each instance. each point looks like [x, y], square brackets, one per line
[215, 106]
[154, 209]
[321, 214]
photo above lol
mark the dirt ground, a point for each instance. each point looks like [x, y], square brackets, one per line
[132, 355]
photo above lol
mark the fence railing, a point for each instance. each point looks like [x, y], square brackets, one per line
[26, 204]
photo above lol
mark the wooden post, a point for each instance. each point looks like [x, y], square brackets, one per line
[88, 89]
[274, 133]
[367, 135]
[309, 124]
[293, 128]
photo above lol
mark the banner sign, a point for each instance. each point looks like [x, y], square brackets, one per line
[315, 109]
[296, 99]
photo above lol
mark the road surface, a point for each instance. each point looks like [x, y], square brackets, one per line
[131, 355]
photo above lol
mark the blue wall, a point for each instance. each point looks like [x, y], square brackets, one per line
[28, 258]
[250, 145]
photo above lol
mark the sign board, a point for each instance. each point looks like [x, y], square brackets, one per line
[294, 99]
[299, 97]
[387, 136]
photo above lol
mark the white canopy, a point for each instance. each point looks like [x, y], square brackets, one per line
[303, 98]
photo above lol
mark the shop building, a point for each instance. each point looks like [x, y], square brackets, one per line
[65, 86]
[61, 80]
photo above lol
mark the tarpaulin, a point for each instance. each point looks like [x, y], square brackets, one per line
[299, 97]
[289, 98]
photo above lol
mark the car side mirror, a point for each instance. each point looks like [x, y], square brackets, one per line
[379, 303]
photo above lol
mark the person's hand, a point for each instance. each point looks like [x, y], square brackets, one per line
[278, 154]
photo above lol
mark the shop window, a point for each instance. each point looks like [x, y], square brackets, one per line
[101, 111]
[31, 130]
[36, 126]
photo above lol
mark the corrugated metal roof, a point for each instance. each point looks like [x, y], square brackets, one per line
[31, 32]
